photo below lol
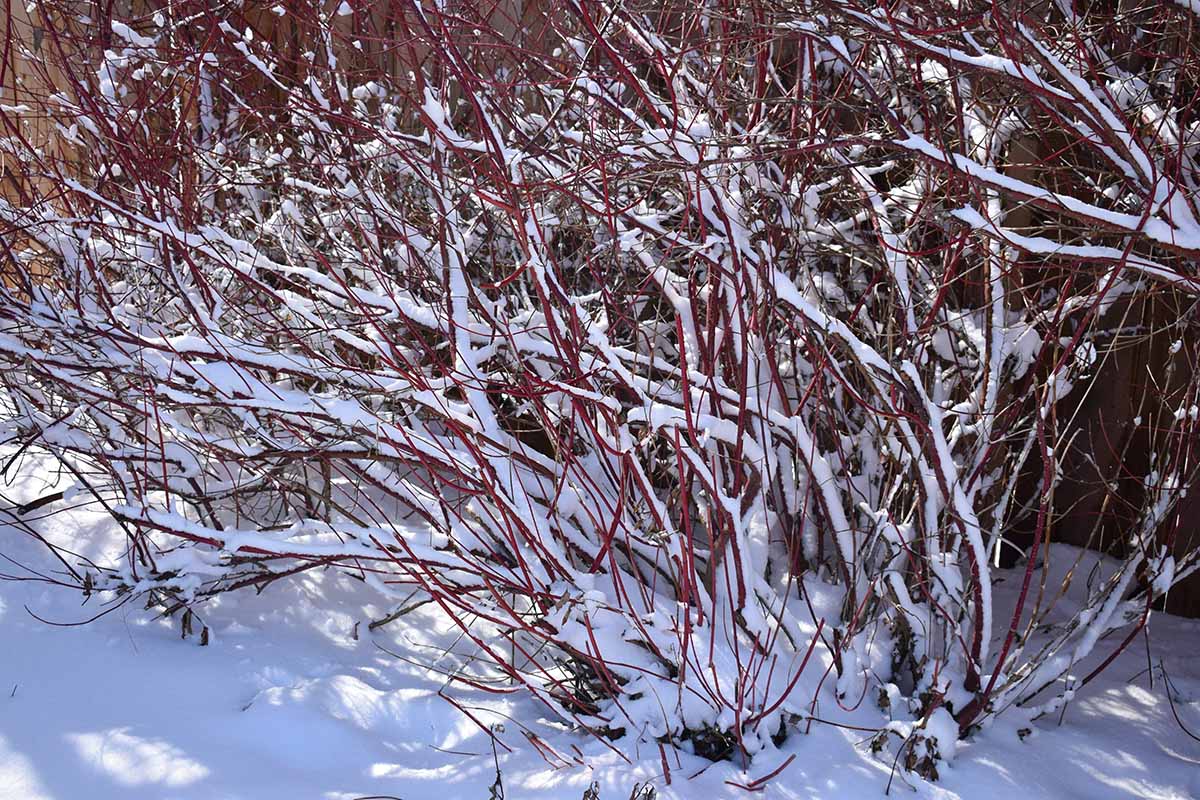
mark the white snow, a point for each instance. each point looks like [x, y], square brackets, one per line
[286, 702]
[130, 35]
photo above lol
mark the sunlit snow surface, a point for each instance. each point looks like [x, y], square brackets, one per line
[286, 702]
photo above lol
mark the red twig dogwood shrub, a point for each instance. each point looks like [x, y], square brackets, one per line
[606, 327]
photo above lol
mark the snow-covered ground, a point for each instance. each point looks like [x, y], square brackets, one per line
[288, 702]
